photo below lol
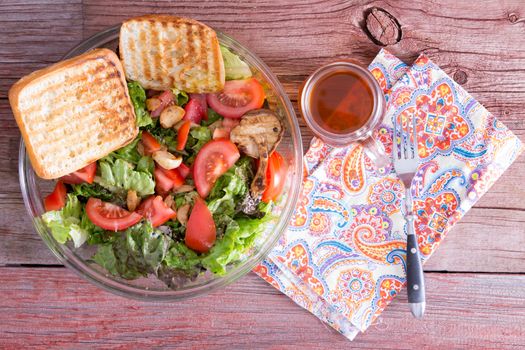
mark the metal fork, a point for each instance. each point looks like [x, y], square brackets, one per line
[406, 160]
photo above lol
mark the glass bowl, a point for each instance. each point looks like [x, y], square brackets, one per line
[34, 189]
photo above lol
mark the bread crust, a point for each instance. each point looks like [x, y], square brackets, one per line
[73, 65]
[209, 63]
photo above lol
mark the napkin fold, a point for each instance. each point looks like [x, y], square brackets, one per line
[343, 255]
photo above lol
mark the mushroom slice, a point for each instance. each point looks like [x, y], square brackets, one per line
[260, 125]
[259, 181]
[167, 160]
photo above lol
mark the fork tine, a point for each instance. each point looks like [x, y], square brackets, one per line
[395, 149]
[403, 141]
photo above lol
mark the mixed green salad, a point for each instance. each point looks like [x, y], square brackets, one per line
[190, 194]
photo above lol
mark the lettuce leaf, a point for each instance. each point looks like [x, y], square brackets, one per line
[182, 258]
[230, 188]
[181, 98]
[66, 223]
[119, 176]
[128, 153]
[201, 135]
[234, 67]
[167, 136]
[146, 165]
[138, 99]
[86, 191]
[238, 238]
[136, 252]
[212, 118]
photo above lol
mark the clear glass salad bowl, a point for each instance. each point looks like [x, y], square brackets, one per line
[34, 189]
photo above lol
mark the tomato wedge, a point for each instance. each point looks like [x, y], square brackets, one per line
[221, 133]
[150, 143]
[110, 216]
[200, 229]
[165, 99]
[213, 160]
[275, 177]
[163, 183]
[86, 174]
[182, 136]
[184, 170]
[56, 199]
[156, 211]
[237, 98]
[166, 180]
[196, 109]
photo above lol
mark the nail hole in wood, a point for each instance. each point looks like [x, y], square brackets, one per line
[460, 77]
[381, 27]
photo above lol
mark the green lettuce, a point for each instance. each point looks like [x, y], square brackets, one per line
[136, 252]
[181, 257]
[138, 99]
[238, 238]
[230, 188]
[200, 135]
[212, 118]
[66, 223]
[86, 191]
[119, 176]
[146, 165]
[181, 98]
[167, 136]
[128, 153]
[234, 67]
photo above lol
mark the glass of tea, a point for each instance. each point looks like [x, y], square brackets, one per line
[343, 103]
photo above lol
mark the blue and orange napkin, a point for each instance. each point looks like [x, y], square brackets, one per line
[343, 255]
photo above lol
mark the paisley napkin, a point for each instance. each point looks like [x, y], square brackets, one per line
[343, 255]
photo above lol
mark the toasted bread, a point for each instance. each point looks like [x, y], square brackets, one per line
[74, 112]
[163, 51]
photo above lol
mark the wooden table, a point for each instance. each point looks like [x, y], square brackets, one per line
[476, 281]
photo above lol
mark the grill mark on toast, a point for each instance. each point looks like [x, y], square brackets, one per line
[72, 88]
[70, 82]
[144, 55]
[80, 128]
[64, 121]
[203, 55]
[181, 64]
[155, 59]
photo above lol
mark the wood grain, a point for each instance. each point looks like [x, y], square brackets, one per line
[35, 34]
[52, 307]
[481, 45]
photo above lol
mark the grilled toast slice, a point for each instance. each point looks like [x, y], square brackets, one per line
[163, 51]
[74, 112]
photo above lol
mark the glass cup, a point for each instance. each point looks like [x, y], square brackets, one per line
[373, 148]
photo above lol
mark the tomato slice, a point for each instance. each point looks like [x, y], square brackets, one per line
[213, 160]
[56, 199]
[110, 216]
[173, 175]
[184, 170]
[193, 111]
[221, 133]
[86, 174]
[150, 143]
[198, 109]
[237, 98]
[165, 99]
[200, 229]
[275, 177]
[163, 183]
[156, 211]
[182, 136]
